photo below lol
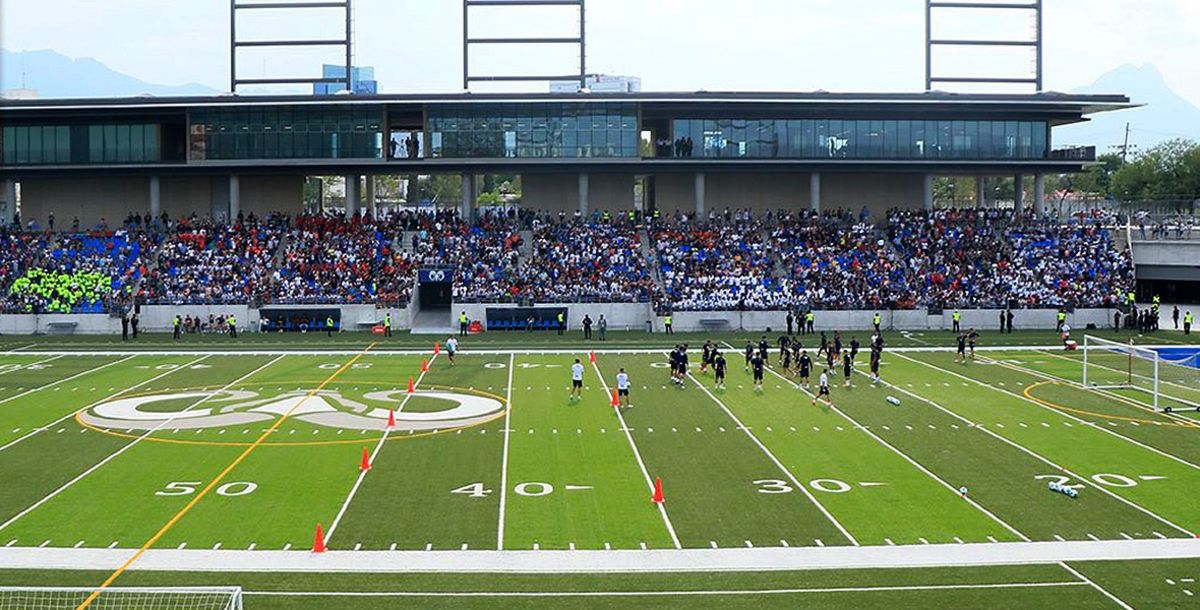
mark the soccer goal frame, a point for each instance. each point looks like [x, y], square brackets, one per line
[121, 598]
[1115, 365]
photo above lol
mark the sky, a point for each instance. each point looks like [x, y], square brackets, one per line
[673, 45]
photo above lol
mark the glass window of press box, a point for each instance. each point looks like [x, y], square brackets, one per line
[53, 144]
[288, 132]
[859, 139]
[534, 130]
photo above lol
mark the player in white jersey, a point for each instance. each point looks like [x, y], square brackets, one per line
[623, 389]
[823, 390]
[451, 349]
[576, 380]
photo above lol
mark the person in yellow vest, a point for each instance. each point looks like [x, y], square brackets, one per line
[667, 324]
[957, 319]
[1130, 298]
[562, 323]
[1187, 323]
[1061, 318]
[462, 324]
[810, 320]
[329, 326]
[875, 320]
[387, 325]
[232, 327]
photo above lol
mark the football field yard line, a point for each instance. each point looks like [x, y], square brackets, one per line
[662, 509]
[1091, 583]
[908, 459]
[22, 367]
[1038, 456]
[362, 474]
[1053, 410]
[1047, 352]
[102, 400]
[808, 494]
[216, 481]
[63, 380]
[504, 455]
[132, 443]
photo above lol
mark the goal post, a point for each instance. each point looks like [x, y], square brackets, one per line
[121, 598]
[1171, 375]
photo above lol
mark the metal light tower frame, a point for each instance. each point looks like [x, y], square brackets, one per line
[931, 42]
[235, 43]
[468, 41]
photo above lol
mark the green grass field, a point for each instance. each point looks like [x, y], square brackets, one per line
[244, 447]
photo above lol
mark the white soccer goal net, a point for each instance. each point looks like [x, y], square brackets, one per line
[1171, 376]
[121, 598]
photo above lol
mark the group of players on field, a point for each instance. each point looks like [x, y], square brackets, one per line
[793, 359]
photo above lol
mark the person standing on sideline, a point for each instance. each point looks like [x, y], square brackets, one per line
[667, 324]
[602, 328]
[451, 349]
[957, 319]
[562, 323]
[876, 320]
[462, 324]
[1060, 319]
[587, 327]
[232, 327]
[790, 320]
[1175, 316]
[328, 326]
[1002, 322]
[810, 320]
[1187, 323]
[1117, 320]
[1008, 317]
[387, 325]
[623, 389]
[576, 381]
[125, 326]
[178, 323]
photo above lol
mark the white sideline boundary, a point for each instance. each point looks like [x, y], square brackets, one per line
[758, 559]
[488, 352]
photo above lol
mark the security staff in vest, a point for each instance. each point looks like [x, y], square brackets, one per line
[667, 324]
[562, 323]
[810, 320]
[463, 321]
[956, 318]
[178, 322]
[387, 325]
[1187, 323]
[876, 320]
[329, 326]
[1060, 319]
[232, 327]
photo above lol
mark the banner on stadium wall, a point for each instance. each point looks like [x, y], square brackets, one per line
[435, 276]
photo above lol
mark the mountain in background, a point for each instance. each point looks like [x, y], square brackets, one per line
[54, 75]
[1165, 116]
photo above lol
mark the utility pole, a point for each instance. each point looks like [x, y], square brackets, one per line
[1125, 146]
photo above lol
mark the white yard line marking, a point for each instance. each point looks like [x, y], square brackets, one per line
[662, 509]
[25, 367]
[1087, 581]
[362, 474]
[504, 457]
[1040, 457]
[910, 460]
[784, 469]
[134, 442]
[72, 414]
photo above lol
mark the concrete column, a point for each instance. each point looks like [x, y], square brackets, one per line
[235, 197]
[10, 199]
[980, 192]
[814, 192]
[352, 196]
[585, 192]
[1019, 193]
[371, 195]
[927, 193]
[1039, 194]
[698, 195]
[155, 197]
[468, 197]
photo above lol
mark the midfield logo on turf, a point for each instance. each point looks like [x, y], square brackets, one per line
[230, 408]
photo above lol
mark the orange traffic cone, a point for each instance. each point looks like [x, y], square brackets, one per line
[437, 348]
[658, 494]
[366, 461]
[592, 357]
[391, 418]
[615, 401]
[319, 541]
[424, 365]
[411, 388]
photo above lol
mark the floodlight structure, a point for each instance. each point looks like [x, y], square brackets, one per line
[347, 42]
[468, 42]
[931, 9]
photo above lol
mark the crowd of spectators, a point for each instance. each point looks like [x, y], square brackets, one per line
[73, 273]
[202, 262]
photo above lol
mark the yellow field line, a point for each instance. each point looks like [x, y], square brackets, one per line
[1053, 405]
[216, 481]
